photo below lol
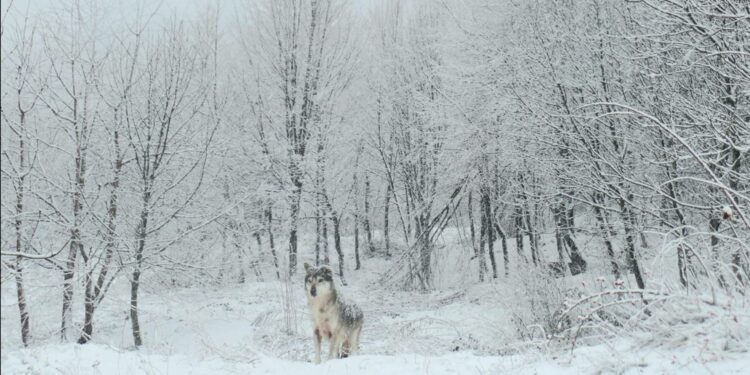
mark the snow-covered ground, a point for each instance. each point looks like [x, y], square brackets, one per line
[264, 328]
[102, 359]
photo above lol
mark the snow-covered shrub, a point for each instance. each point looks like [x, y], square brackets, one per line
[540, 298]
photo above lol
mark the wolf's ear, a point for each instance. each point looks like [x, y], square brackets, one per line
[326, 270]
[307, 267]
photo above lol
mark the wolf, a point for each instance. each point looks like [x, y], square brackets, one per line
[333, 318]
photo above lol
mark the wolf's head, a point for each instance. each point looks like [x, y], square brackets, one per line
[318, 281]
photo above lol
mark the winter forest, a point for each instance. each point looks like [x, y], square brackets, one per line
[503, 186]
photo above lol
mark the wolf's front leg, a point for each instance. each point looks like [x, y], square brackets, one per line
[317, 338]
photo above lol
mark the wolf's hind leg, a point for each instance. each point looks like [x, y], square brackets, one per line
[345, 349]
[355, 339]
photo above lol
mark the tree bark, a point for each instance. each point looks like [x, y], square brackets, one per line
[336, 237]
[489, 230]
[504, 242]
[470, 206]
[368, 229]
[519, 229]
[136, 277]
[18, 267]
[294, 217]
[629, 227]
[76, 243]
[482, 237]
[386, 227]
[606, 233]
[269, 229]
[318, 230]
[356, 236]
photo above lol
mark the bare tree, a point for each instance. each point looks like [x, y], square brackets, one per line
[176, 85]
[19, 159]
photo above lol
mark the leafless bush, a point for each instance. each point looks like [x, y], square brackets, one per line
[539, 302]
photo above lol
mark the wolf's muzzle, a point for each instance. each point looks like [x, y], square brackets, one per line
[313, 292]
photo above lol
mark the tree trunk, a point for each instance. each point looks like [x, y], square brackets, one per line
[356, 236]
[684, 255]
[559, 242]
[565, 224]
[532, 238]
[519, 229]
[88, 309]
[294, 220]
[95, 295]
[425, 255]
[606, 233]
[713, 227]
[504, 242]
[368, 229]
[386, 227]
[629, 227]
[21, 297]
[240, 255]
[135, 280]
[337, 244]
[76, 246]
[470, 206]
[336, 237]
[269, 228]
[324, 242]
[318, 230]
[487, 214]
[482, 238]
[18, 268]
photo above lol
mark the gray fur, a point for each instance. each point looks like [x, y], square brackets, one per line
[333, 318]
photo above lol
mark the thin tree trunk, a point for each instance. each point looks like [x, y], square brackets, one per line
[368, 229]
[504, 242]
[605, 230]
[386, 227]
[324, 242]
[318, 230]
[76, 245]
[356, 237]
[532, 238]
[337, 244]
[470, 205]
[632, 260]
[684, 256]
[240, 256]
[487, 213]
[482, 237]
[95, 294]
[269, 228]
[519, 229]
[425, 254]
[294, 219]
[18, 268]
[135, 280]
[566, 216]
[713, 227]
[356, 219]
[559, 242]
[21, 297]
[336, 237]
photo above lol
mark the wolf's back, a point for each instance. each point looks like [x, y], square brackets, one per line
[351, 314]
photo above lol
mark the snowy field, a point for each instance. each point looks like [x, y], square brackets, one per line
[459, 329]
[100, 359]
